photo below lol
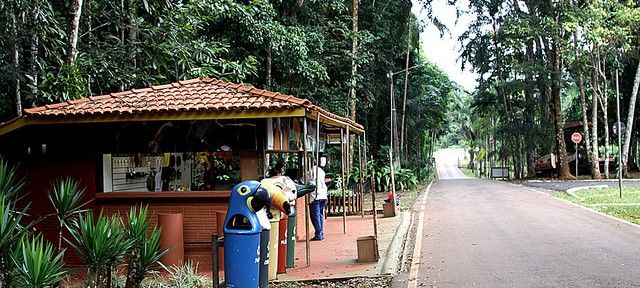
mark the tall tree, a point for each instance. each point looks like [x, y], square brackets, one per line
[72, 34]
[354, 65]
[631, 118]
[406, 83]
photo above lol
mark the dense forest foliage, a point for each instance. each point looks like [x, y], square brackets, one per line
[548, 69]
[54, 51]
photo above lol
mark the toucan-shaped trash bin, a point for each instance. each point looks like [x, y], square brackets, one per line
[242, 231]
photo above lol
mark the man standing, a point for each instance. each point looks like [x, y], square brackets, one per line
[318, 200]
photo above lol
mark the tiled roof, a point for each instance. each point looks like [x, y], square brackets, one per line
[203, 94]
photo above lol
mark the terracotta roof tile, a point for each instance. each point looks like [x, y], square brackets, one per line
[190, 81]
[160, 87]
[122, 93]
[142, 90]
[206, 94]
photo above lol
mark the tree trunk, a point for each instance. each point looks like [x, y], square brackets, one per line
[630, 120]
[556, 79]
[268, 78]
[545, 104]
[354, 71]
[595, 170]
[87, 7]
[406, 82]
[530, 117]
[632, 163]
[16, 62]
[72, 34]
[594, 129]
[354, 64]
[33, 59]
[133, 35]
[604, 101]
[135, 273]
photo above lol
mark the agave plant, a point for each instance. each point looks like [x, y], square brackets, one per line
[11, 225]
[36, 264]
[10, 232]
[10, 185]
[100, 243]
[66, 198]
[145, 249]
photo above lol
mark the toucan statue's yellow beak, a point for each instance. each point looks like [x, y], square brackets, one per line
[278, 198]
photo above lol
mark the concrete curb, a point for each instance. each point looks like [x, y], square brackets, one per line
[396, 249]
[570, 191]
[599, 213]
[394, 253]
[584, 207]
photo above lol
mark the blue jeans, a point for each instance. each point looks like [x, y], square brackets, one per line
[316, 208]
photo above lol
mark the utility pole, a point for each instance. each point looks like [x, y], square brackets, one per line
[394, 126]
[394, 123]
[403, 124]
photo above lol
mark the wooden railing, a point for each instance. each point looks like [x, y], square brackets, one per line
[354, 202]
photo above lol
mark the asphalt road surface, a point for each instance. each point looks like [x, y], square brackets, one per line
[483, 233]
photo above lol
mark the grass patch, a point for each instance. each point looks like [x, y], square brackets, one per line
[468, 172]
[409, 197]
[609, 202]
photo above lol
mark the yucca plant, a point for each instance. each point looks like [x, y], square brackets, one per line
[145, 249]
[12, 226]
[36, 264]
[100, 243]
[66, 198]
[10, 232]
[10, 184]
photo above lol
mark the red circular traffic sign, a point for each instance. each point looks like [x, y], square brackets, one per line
[576, 137]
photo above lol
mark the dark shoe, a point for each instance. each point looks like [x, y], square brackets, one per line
[316, 239]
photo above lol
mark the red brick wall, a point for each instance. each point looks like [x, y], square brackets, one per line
[39, 174]
[199, 221]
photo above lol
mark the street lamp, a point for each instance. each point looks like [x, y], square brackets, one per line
[394, 126]
[393, 148]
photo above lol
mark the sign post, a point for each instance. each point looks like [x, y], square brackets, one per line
[576, 138]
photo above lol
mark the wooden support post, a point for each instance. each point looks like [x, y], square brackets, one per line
[343, 168]
[360, 176]
[306, 197]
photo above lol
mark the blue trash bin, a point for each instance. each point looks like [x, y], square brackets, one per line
[264, 248]
[242, 231]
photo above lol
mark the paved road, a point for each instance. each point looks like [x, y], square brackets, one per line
[447, 163]
[483, 233]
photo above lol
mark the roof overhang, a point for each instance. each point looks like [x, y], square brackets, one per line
[17, 123]
[194, 99]
[328, 119]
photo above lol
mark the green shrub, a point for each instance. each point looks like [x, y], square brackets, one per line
[184, 276]
[145, 249]
[10, 185]
[100, 244]
[405, 179]
[66, 198]
[12, 228]
[36, 265]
